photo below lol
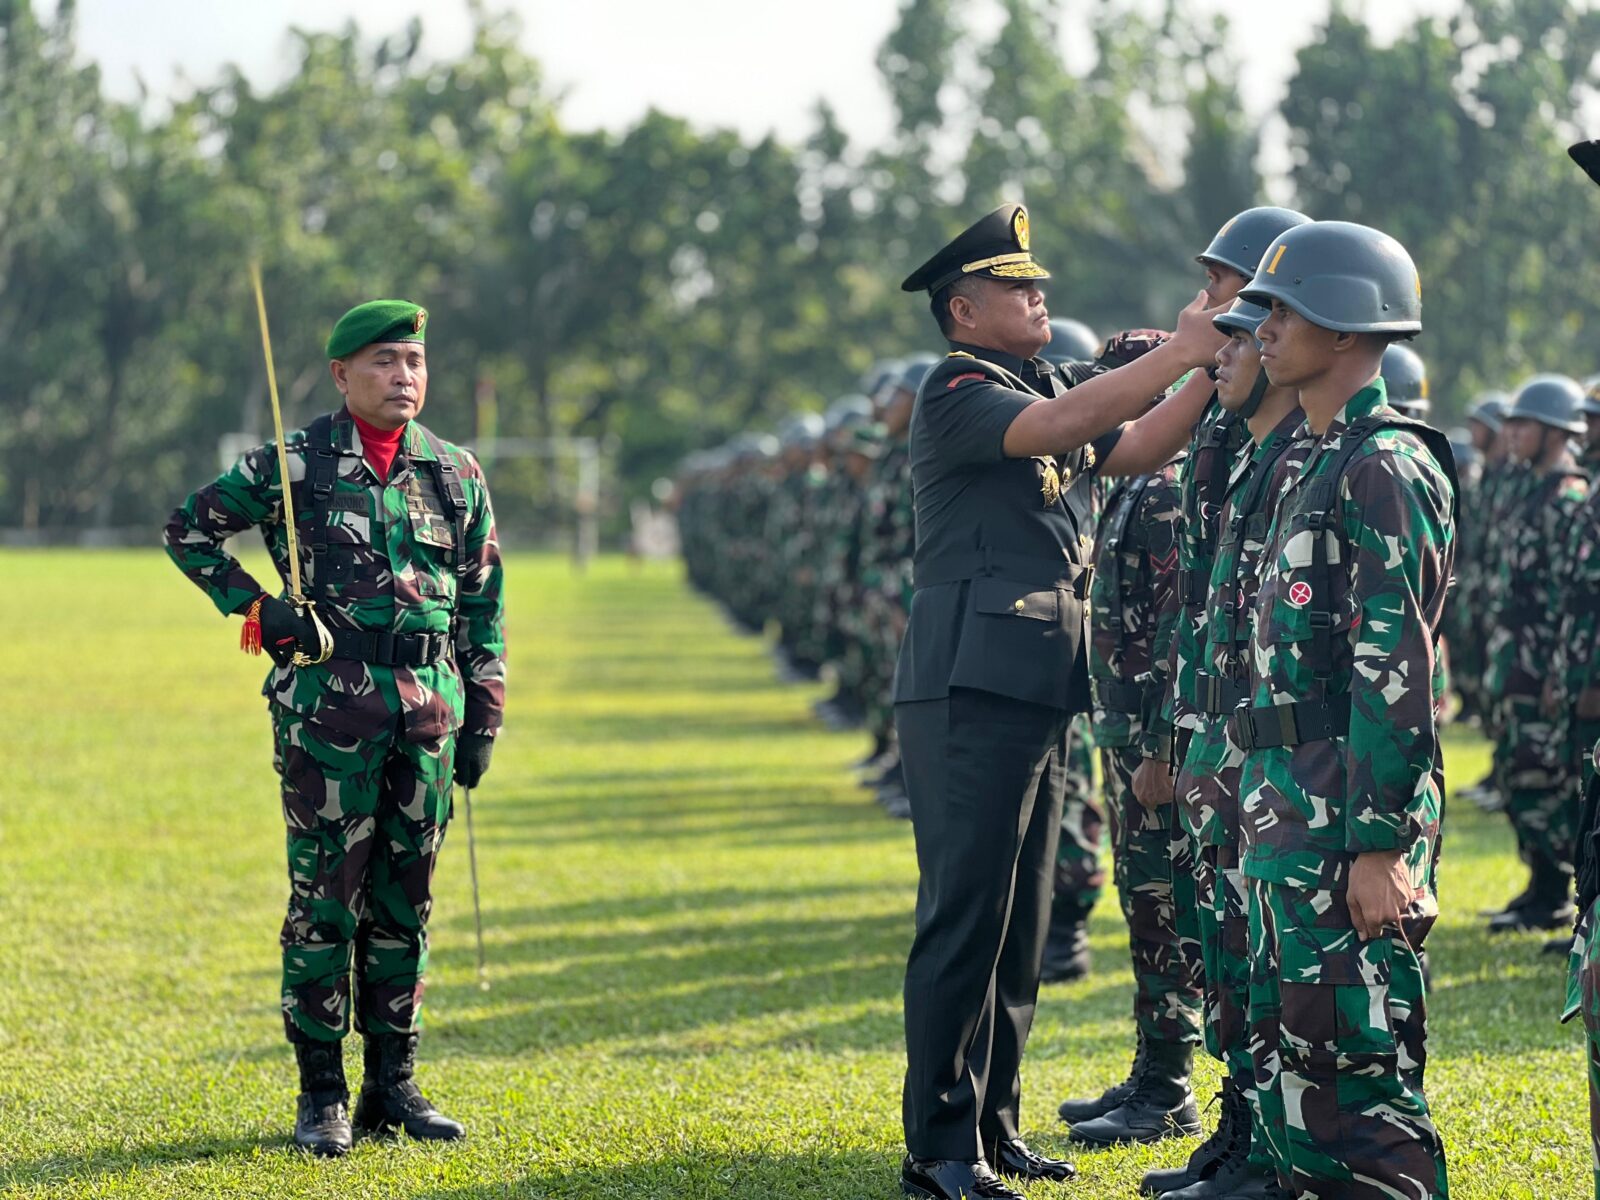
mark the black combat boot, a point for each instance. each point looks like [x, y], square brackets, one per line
[1232, 1137]
[322, 1120]
[389, 1099]
[1087, 1109]
[1161, 1104]
[1549, 905]
[1066, 944]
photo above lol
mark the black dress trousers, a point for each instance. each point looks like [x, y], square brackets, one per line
[986, 778]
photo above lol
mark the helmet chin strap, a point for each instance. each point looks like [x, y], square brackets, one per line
[1257, 392]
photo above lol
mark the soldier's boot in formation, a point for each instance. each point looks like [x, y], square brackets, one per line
[1066, 944]
[880, 747]
[1087, 1109]
[1519, 901]
[1231, 1138]
[1548, 907]
[322, 1120]
[389, 1097]
[1161, 1105]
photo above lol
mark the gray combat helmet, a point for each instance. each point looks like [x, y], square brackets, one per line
[1246, 318]
[1553, 400]
[1070, 341]
[1342, 276]
[1240, 243]
[917, 368]
[1490, 410]
[884, 371]
[847, 411]
[801, 430]
[1405, 379]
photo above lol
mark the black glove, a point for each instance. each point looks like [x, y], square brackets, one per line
[1129, 346]
[283, 631]
[472, 758]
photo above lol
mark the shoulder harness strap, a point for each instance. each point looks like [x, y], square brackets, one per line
[1321, 511]
[322, 468]
[1111, 548]
[448, 479]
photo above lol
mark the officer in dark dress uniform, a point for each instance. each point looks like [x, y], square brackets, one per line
[992, 667]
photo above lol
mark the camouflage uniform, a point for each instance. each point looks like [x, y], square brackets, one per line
[1521, 649]
[1134, 595]
[1207, 786]
[887, 541]
[364, 750]
[1218, 443]
[1337, 1024]
[1583, 962]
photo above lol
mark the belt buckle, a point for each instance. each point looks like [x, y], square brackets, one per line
[1244, 728]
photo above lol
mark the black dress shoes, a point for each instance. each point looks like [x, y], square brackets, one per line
[1013, 1158]
[947, 1179]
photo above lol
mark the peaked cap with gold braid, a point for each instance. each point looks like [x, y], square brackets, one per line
[995, 246]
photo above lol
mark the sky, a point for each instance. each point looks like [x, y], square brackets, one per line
[756, 65]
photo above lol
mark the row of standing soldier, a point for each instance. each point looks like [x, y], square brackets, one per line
[826, 510]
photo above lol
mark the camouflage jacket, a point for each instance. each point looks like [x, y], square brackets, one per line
[1207, 789]
[1132, 602]
[1526, 603]
[1577, 646]
[1219, 441]
[889, 535]
[1307, 810]
[395, 544]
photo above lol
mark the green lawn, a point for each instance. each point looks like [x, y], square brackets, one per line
[696, 927]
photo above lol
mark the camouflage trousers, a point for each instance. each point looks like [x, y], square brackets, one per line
[1537, 782]
[1338, 1038]
[1080, 876]
[1583, 997]
[1222, 911]
[365, 822]
[1166, 982]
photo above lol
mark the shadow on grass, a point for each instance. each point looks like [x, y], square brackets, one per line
[129, 1155]
[840, 1175]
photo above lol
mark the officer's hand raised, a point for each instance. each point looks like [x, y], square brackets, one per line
[283, 631]
[472, 758]
[1197, 338]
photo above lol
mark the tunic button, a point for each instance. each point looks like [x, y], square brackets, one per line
[1019, 605]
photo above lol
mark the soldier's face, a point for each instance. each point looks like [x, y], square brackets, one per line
[385, 384]
[1238, 363]
[1591, 430]
[1293, 350]
[1005, 315]
[897, 413]
[1525, 438]
[1223, 284]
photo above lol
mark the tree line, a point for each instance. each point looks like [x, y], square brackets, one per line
[666, 285]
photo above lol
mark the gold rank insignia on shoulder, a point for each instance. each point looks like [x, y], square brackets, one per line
[1088, 458]
[960, 354]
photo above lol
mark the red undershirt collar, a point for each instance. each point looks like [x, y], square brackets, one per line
[379, 446]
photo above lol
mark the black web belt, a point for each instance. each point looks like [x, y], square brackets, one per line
[1019, 568]
[1219, 694]
[1118, 697]
[1290, 724]
[392, 649]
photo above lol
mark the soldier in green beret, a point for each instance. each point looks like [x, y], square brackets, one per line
[386, 687]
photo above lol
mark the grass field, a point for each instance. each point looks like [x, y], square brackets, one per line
[696, 927]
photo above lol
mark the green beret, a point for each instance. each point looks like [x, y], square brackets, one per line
[378, 321]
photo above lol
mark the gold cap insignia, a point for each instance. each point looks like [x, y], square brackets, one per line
[1019, 226]
[419, 320]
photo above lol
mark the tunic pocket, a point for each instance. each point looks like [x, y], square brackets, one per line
[1003, 598]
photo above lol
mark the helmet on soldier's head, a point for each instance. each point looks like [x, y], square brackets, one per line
[847, 411]
[1553, 400]
[1490, 410]
[800, 429]
[917, 368]
[1070, 341]
[1591, 396]
[1239, 244]
[884, 372]
[1342, 276]
[1242, 317]
[1405, 379]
